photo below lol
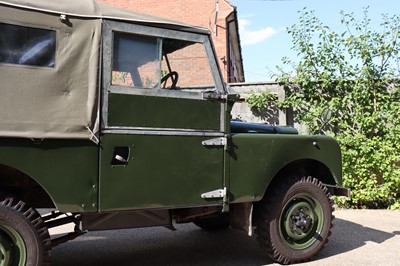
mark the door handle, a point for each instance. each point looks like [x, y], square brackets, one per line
[120, 156]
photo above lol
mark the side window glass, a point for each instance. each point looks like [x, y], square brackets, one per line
[136, 61]
[151, 62]
[22, 45]
[189, 61]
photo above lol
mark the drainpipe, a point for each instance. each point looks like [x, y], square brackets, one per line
[216, 17]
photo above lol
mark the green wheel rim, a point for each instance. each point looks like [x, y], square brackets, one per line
[12, 246]
[301, 221]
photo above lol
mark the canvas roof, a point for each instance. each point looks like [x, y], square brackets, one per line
[62, 101]
[93, 9]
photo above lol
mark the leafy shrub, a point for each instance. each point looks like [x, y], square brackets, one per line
[356, 75]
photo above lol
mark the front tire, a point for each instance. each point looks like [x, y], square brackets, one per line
[24, 238]
[294, 220]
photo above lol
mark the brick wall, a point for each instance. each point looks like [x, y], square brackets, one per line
[200, 13]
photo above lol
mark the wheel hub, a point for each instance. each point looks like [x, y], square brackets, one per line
[12, 247]
[6, 247]
[301, 220]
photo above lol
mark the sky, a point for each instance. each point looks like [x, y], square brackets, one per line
[263, 24]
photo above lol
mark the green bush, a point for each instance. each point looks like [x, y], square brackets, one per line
[371, 171]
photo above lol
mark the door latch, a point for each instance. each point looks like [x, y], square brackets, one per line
[120, 156]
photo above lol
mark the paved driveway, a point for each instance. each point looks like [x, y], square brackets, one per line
[360, 237]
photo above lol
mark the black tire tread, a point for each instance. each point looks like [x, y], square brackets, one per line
[270, 205]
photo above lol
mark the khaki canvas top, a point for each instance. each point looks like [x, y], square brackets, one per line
[93, 9]
[58, 98]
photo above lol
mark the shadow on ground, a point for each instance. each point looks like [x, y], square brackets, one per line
[192, 246]
[159, 246]
[347, 236]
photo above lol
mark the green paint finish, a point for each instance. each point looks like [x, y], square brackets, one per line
[255, 159]
[162, 171]
[162, 112]
[66, 169]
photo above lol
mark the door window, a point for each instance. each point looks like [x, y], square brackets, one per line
[159, 63]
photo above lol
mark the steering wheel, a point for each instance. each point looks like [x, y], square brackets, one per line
[173, 75]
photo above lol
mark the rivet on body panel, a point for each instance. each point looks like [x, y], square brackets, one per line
[315, 144]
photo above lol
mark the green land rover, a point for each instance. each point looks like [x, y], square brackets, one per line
[112, 119]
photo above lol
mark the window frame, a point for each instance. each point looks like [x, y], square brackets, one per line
[109, 27]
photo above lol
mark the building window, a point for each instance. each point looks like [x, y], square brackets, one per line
[22, 45]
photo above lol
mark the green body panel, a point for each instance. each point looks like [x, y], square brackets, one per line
[162, 112]
[66, 169]
[255, 159]
[162, 171]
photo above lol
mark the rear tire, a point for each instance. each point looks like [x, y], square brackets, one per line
[294, 220]
[24, 238]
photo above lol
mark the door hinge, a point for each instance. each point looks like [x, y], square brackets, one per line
[218, 193]
[221, 141]
[215, 96]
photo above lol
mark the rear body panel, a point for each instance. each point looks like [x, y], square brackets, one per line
[67, 170]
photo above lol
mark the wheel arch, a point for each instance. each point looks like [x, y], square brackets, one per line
[307, 167]
[24, 187]
[303, 167]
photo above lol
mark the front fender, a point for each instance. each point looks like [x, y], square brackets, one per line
[255, 159]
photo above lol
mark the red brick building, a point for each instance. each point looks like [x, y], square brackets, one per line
[219, 16]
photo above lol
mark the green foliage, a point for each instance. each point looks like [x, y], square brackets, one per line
[356, 75]
[263, 105]
[370, 167]
[261, 99]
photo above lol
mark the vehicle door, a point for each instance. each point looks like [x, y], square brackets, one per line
[162, 140]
